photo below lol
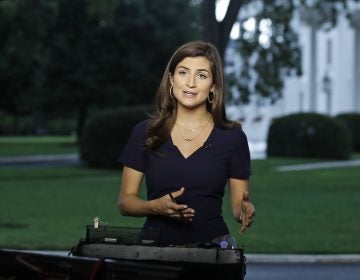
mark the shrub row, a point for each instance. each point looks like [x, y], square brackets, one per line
[36, 125]
[309, 135]
[106, 134]
[314, 135]
[352, 120]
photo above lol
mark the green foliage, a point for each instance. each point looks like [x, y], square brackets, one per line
[352, 120]
[265, 63]
[309, 135]
[36, 124]
[69, 58]
[268, 62]
[23, 26]
[106, 134]
[148, 32]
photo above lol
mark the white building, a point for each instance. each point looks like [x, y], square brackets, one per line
[330, 83]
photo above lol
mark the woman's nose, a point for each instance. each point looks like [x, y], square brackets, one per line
[191, 81]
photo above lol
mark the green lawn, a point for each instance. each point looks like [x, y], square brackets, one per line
[297, 212]
[305, 211]
[33, 145]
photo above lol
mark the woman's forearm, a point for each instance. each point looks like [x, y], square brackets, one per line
[132, 205]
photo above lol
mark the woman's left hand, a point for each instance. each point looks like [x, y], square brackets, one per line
[247, 213]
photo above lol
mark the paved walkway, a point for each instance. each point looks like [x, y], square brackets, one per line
[320, 165]
[40, 159]
[271, 258]
[302, 258]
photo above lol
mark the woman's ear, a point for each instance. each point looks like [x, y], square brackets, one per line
[171, 79]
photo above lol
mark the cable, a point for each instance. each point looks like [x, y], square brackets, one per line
[39, 270]
[96, 269]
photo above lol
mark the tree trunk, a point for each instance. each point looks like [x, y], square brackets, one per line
[216, 32]
[81, 119]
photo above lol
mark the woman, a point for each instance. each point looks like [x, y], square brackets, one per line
[188, 152]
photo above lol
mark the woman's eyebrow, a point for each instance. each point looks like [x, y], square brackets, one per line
[198, 70]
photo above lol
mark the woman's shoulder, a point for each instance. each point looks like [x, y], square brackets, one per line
[143, 124]
[232, 135]
[141, 127]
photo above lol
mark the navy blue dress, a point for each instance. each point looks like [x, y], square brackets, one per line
[204, 174]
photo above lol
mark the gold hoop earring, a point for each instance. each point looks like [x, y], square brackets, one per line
[171, 93]
[211, 100]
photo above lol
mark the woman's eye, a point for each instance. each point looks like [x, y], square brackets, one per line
[202, 76]
[182, 73]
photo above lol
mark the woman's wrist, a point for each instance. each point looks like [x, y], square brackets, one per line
[237, 217]
[153, 207]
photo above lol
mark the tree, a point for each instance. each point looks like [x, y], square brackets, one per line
[72, 79]
[264, 66]
[217, 32]
[23, 26]
[148, 33]
[98, 60]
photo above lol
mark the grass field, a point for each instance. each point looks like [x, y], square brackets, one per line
[297, 212]
[305, 211]
[313, 211]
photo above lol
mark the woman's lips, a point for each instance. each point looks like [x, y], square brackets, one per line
[189, 93]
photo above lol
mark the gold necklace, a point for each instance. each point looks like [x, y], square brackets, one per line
[197, 135]
[195, 128]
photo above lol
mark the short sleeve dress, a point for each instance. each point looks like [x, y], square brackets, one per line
[204, 174]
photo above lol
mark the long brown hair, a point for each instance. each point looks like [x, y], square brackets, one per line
[163, 119]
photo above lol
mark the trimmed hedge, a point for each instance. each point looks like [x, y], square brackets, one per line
[352, 120]
[309, 135]
[106, 134]
[36, 125]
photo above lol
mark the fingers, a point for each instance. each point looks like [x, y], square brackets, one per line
[185, 215]
[246, 196]
[177, 207]
[179, 192]
[246, 223]
[179, 211]
[247, 213]
[242, 229]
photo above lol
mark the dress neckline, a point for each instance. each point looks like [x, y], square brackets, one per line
[205, 144]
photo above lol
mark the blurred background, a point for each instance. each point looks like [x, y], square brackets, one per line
[77, 75]
[63, 62]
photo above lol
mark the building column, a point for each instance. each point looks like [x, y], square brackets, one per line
[313, 69]
[313, 20]
[355, 23]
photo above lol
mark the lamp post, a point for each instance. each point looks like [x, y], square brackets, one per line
[327, 87]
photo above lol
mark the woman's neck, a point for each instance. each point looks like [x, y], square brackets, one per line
[192, 118]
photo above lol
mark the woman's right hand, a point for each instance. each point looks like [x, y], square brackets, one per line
[167, 206]
[247, 213]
